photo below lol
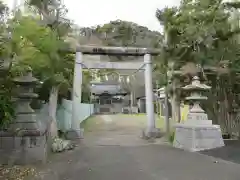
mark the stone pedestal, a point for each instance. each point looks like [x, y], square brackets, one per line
[197, 133]
[27, 147]
[198, 137]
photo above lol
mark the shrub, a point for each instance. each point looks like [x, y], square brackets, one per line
[171, 137]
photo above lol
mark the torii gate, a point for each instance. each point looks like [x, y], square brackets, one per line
[146, 65]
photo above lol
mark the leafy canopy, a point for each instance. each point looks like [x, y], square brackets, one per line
[199, 31]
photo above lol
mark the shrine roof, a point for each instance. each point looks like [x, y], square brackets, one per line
[112, 89]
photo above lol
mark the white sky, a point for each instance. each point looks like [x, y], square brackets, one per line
[93, 12]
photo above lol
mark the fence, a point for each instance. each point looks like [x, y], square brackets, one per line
[64, 113]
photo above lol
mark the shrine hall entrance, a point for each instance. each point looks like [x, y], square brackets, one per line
[107, 97]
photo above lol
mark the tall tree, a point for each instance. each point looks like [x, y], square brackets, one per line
[201, 32]
[52, 14]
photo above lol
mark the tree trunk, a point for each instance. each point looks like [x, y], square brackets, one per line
[176, 116]
[57, 144]
[53, 101]
[178, 111]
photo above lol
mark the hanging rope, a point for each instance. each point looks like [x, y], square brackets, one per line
[114, 72]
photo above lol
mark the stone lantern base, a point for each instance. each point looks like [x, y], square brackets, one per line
[29, 147]
[198, 135]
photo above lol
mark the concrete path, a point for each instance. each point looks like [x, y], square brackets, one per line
[115, 152]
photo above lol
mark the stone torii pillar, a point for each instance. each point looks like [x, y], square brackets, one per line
[76, 132]
[149, 94]
[151, 130]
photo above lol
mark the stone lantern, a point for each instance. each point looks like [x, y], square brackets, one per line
[197, 132]
[162, 93]
[26, 142]
[196, 114]
[25, 115]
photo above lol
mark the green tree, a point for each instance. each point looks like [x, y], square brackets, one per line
[6, 106]
[201, 32]
[38, 47]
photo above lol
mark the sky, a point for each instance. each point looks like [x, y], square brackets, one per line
[87, 13]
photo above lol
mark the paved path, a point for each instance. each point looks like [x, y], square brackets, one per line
[115, 152]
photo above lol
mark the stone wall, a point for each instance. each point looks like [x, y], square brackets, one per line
[64, 114]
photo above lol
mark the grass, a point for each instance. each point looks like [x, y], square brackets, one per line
[171, 137]
[92, 123]
[160, 122]
[95, 123]
[89, 124]
[142, 119]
